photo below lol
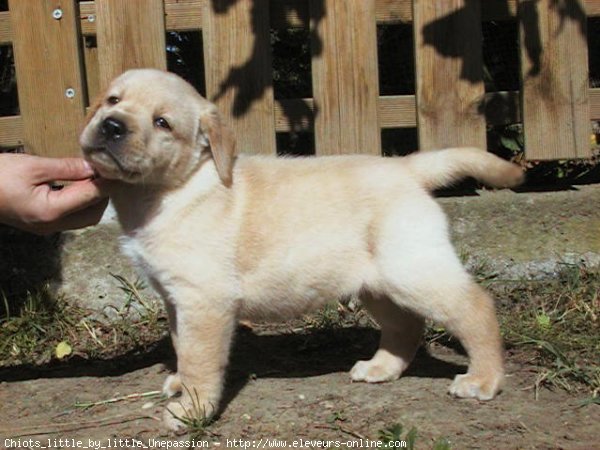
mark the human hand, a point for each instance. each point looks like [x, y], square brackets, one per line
[28, 201]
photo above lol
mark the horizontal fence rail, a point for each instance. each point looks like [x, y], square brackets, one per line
[450, 107]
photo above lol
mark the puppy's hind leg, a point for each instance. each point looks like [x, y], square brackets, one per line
[401, 333]
[420, 271]
[467, 312]
[478, 331]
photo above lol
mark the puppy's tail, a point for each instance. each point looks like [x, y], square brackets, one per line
[440, 168]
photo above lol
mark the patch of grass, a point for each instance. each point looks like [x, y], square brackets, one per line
[337, 416]
[31, 334]
[341, 314]
[559, 318]
[332, 315]
[563, 371]
[393, 436]
[194, 417]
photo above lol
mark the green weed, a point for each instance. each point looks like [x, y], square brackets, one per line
[327, 317]
[559, 318]
[393, 436]
[194, 417]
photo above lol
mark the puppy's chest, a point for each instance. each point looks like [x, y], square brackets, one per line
[146, 263]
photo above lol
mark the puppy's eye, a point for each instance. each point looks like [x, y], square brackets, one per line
[113, 100]
[161, 122]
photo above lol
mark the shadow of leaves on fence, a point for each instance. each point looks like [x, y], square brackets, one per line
[570, 9]
[242, 78]
[529, 19]
[460, 43]
[451, 36]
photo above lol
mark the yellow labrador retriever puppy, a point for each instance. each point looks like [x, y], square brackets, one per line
[223, 238]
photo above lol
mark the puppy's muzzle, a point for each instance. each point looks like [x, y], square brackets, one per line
[113, 129]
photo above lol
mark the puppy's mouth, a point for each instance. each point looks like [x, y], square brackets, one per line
[99, 156]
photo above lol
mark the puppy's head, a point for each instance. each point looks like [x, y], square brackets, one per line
[152, 127]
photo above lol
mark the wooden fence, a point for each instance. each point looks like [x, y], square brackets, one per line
[56, 73]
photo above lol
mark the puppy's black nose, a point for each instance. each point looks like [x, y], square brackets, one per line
[113, 129]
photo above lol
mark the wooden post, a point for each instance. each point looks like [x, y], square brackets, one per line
[237, 52]
[48, 67]
[92, 69]
[449, 73]
[345, 77]
[556, 103]
[131, 34]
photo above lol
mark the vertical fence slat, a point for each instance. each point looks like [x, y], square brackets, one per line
[92, 69]
[131, 34]
[449, 73]
[345, 77]
[325, 78]
[47, 62]
[237, 52]
[556, 107]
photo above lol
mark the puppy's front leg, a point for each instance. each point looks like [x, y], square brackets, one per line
[172, 385]
[204, 332]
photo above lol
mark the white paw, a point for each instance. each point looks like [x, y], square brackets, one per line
[172, 385]
[471, 386]
[174, 416]
[375, 372]
[187, 413]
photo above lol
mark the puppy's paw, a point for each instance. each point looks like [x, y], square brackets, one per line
[474, 386]
[175, 417]
[375, 371]
[187, 413]
[172, 385]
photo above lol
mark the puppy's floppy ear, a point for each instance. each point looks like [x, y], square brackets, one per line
[221, 142]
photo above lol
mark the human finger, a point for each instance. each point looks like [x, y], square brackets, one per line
[74, 197]
[82, 218]
[78, 219]
[67, 169]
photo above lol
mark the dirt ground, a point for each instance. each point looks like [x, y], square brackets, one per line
[286, 385]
